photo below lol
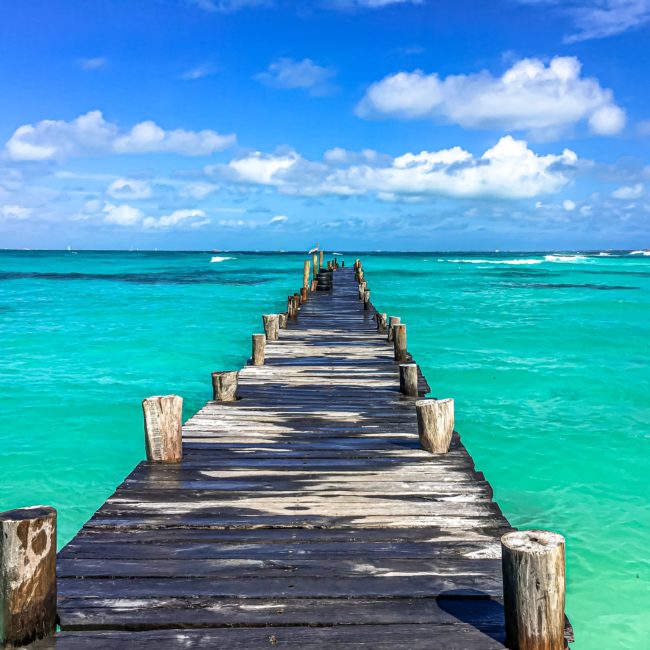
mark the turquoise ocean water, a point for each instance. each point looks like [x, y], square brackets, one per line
[545, 355]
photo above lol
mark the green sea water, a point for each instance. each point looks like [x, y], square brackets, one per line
[545, 355]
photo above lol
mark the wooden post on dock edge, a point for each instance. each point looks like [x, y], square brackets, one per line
[224, 385]
[271, 326]
[366, 300]
[435, 424]
[259, 346]
[381, 323]
[303, 295]
[316, 268]
[282, 321]
[392, 320]
[163, 424]
[408, 379]
[533, 589]
[305, 274]
[320, 266]
[27, 575]
[314, 285]
[399, 341]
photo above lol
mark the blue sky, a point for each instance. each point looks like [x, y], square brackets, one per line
[368, 124]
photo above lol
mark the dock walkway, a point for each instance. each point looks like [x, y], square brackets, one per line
[304, 515]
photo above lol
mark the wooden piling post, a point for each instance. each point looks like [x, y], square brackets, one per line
[259, 346]
[399, 341]
[163, 423]
[303, 295]
[362, 288]
[282, 321]
[408, 379]
[320, 265]
[296, 303]
[224, 385]
[381, 322]
[27, 575]
[316, 268]
[435, 424]
[271, 326]
[392, 320]
[366, 300]
[305, 274]
[533, 589]
[342, 264]
[314, 285]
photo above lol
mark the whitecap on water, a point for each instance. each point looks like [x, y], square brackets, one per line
[216, 258]
[564, 258]
[515, 262]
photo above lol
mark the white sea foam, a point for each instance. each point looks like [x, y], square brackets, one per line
[646, 253]
[564, 258]
[216, 258]
[515, 262]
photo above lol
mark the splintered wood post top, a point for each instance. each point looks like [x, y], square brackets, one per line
[271, 326]
[435, 424]
[392, 321]
[408, 379]
[163, 423]
[224, 385]
[259, 347]
[305, 274]
[27, 575]
[534, 579]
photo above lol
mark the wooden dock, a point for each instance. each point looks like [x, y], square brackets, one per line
[305, 514]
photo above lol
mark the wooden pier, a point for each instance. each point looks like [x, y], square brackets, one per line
[303, 514]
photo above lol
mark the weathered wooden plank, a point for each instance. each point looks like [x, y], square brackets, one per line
[485, 614]
[284, 587]
[377, 637]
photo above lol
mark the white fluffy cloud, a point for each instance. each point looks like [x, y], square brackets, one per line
[305, 75]
[127, 215]
[129, 188]
[91, 134]
[175, 218]
[600, 18]
[629, 192]
[122, 215]
[529, 96]
[15, 212]
[509, 170]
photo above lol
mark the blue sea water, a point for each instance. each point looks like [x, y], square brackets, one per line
[546, 356]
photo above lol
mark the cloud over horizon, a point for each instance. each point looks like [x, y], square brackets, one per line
[509, 170]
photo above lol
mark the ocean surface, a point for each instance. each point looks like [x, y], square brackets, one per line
[546, 356]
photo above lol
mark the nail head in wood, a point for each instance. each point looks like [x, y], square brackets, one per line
[435, 424]
[408, 379]
[259, 347]
[224, 385]
[533, 589]
[271, 326]
[27, 575]
[163, 424]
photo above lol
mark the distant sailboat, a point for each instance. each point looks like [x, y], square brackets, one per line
[71, 251]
